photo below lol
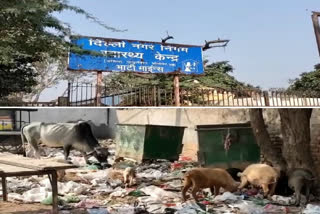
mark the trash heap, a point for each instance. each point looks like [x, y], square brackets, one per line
[157, 190]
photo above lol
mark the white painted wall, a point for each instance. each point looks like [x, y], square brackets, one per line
[97, 116]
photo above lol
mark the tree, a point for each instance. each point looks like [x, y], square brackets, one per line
[217, 75]
[308, 82]
[295, 129]
[263, 139]
[49, 73]
[29, 33]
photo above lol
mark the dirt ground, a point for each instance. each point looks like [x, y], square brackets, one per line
[36, 208]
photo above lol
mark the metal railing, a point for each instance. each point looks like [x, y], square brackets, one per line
[85, 95]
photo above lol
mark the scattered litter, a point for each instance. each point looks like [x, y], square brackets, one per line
[71, 199]
[136, 193]
[119, 192]
[157, 190]
[97, 211]
[159, 193]
[72, 187]
[48, 201]
[152, 173]
[122, 209]
[190, 207]
[311, 209]
[36, 195]
[88, 203]
[228, 197]
[261, 202]
[270, 208]
[281, 200]
[93, 167]
[248, 207]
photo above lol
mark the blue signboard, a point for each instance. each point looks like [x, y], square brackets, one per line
[136, 56]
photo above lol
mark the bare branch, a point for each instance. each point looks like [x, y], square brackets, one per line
[167, 38]
[218, 41]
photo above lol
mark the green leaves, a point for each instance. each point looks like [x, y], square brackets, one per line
[307, 82]
[26, 40]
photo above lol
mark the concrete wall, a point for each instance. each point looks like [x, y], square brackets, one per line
[97, 117]
[193, 117]
[105, 127]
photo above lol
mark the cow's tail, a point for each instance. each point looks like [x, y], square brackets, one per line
[24, 141]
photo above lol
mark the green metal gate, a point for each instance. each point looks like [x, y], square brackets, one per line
[242, 149]
[149, 141]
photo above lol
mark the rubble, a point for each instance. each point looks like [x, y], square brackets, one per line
[158, 190]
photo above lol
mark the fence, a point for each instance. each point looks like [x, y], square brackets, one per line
[27, 104]
[85, 95]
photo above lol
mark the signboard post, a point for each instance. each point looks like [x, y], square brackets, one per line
[118, 55]
[176, 90]
[99, 88]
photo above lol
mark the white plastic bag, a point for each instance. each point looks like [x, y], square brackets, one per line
[283, 200]
[228, 196]
[157, 192]
[311, 209]
[248, 207]
[36, 194]
[119, 192]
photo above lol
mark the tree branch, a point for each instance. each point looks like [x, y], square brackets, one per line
[218, 41]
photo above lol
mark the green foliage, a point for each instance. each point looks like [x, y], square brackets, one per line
[217, 75]
[307, 82]
[16, 78]
[29, 33]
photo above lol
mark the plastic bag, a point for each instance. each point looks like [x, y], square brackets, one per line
[311, 209]
[36, 194]
[97, 211]
[282, 200]
[159, 193]
[87, 203]
[228, 196]
[119, 192]
[249, 207]
[190, 207]
[270, 208]
[48, 201]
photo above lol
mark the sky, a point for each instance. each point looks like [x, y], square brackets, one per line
[271, 41]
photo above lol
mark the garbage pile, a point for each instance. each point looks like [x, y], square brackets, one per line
[157, 189]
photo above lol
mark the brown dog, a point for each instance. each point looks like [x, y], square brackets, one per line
[202, 178]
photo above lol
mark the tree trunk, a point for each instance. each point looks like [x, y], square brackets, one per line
[268, 149]
[295, 127]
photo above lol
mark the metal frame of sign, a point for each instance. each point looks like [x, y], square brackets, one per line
[111, 40]
[176, 73]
